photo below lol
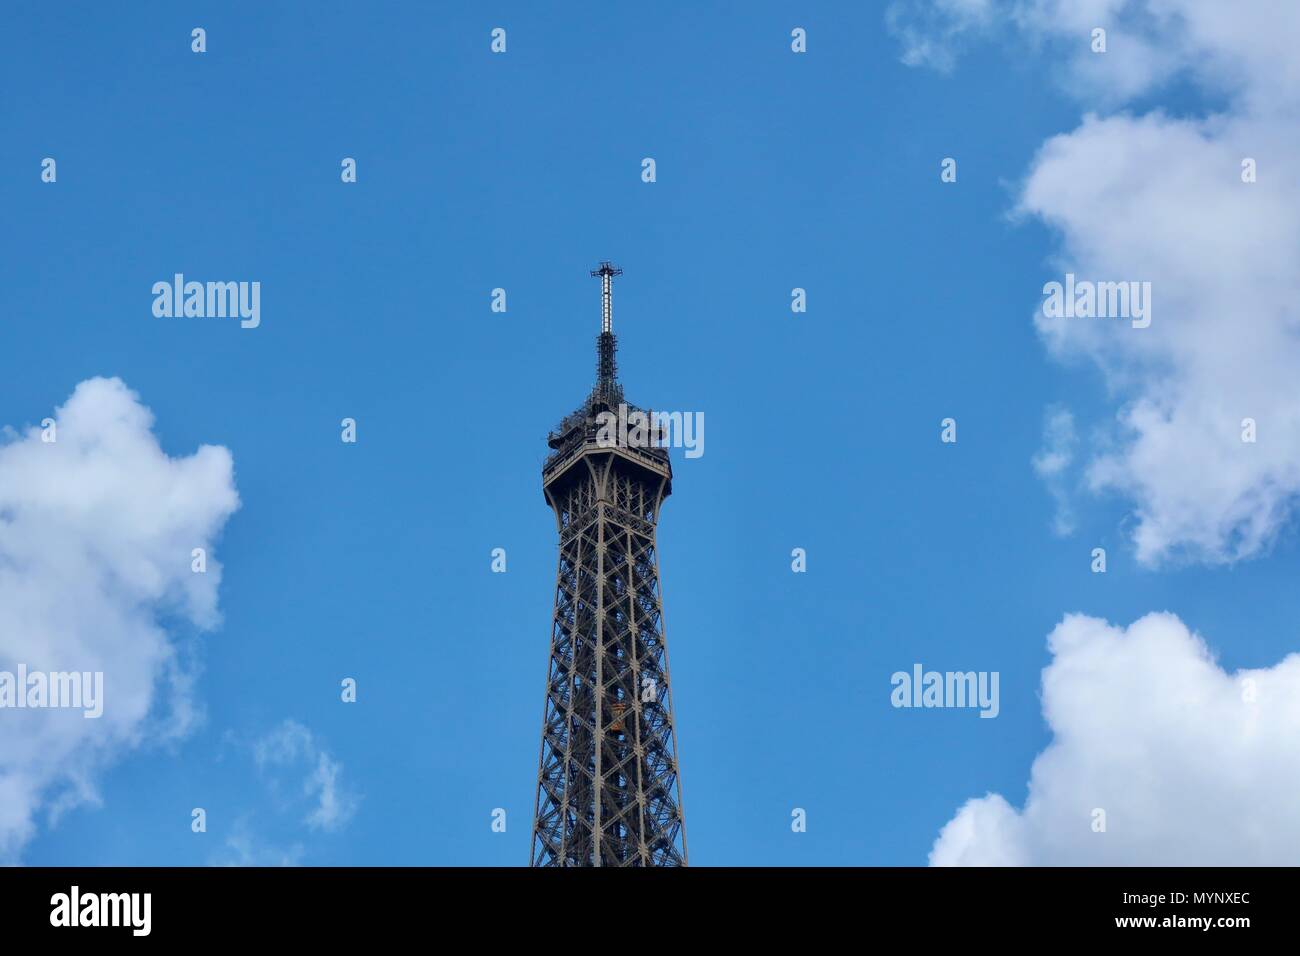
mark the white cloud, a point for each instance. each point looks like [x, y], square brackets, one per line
[1159, 198]
[931, 30]
[242, 848]
[96, 534]
[1192, 765]
[291, 746]
[1053, 462]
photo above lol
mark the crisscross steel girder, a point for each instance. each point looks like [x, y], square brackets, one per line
[608, 786]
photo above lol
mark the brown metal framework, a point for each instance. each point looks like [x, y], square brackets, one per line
[608, 786]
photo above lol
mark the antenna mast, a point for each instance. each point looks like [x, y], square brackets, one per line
[607, 271]
[606, 370]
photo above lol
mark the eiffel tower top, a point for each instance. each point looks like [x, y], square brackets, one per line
[579, 427]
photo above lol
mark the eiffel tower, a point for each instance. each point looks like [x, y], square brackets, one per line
[608, 786]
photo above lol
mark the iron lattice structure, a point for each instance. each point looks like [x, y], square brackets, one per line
[608, 785]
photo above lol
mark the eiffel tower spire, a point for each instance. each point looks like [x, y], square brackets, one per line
[606, 369]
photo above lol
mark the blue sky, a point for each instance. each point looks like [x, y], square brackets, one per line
[521, 171]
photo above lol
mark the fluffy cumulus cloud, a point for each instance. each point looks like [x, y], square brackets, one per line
[1159, 756]
[1190, 765]
[1159, 198]
[97, 528]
